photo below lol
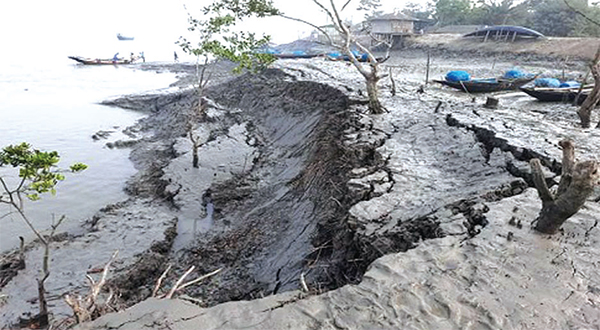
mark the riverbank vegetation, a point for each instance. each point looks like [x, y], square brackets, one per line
[38, 174]
[558, 18]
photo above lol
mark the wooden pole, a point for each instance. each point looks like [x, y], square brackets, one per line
[563, 67]
[576, 100]
[428, 66]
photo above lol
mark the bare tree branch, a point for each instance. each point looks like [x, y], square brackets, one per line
[181, 287]
[178, 283]
[313, 25]
[328, 12]
[346, 4]
[540, 181]
[577, 11]
[160, 280]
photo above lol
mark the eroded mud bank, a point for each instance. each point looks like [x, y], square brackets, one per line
[295, 179]
[447, 172]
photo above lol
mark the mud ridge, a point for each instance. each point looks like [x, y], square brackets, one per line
[490, 141]
[302, 230]
[287, 215]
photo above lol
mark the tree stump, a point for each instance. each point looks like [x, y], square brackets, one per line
[576, 185]
[491, 103]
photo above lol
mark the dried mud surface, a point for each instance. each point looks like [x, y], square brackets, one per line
[296, 181]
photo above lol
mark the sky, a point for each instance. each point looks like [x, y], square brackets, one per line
[24, 22]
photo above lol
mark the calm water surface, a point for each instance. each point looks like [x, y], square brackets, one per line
[53, 107]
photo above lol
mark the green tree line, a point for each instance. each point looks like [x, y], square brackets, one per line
[559, 18]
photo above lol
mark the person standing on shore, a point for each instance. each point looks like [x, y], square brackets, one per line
[175, 56]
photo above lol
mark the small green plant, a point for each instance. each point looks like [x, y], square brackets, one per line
[216, 40]
[38, 174]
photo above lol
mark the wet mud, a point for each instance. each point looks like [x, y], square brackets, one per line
[297, 185]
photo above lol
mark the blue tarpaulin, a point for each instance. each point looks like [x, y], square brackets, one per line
[458, 76]
[514, 74]
[570, 84]
[547, 82]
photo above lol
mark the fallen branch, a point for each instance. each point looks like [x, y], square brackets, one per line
[199, 279]
[88, 309]
[178, 283]
[160, 280]
[303, 283]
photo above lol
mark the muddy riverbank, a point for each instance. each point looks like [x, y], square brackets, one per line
[296, 181]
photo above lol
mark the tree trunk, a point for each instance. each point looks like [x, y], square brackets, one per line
[585, 112]
[375, 106]
[576, 185]
[195, 156]
[591, 101]
[43, 316]
[195, 146]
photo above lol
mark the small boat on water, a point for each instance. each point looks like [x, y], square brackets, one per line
[564, 94]
[99, 61]
[487, 85]
[122, 37]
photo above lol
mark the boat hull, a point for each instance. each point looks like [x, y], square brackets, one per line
[557, 94]
[98, 61]
[482, 86]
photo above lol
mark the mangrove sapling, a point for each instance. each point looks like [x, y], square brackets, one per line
[216, 41]
[371, 73]
[576, 185]
[37, 174]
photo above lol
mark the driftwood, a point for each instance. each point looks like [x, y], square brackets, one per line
[576, 185]
[89, 308]
[179, 285]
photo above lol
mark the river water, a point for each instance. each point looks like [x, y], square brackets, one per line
[52, 104]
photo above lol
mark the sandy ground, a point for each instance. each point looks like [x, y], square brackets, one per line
[296, 181]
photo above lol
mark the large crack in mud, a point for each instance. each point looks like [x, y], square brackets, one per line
[286, 215]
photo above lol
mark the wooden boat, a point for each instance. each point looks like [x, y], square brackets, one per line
[566, 94]
[487, 85]
[294, 56]
[99, 61]
[505, 32]
[122, 37]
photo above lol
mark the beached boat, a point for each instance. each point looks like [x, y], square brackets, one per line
[487, 85]
[505, 32]
[99, 61]
[294, 55]
[565, 94]
[122, 37]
